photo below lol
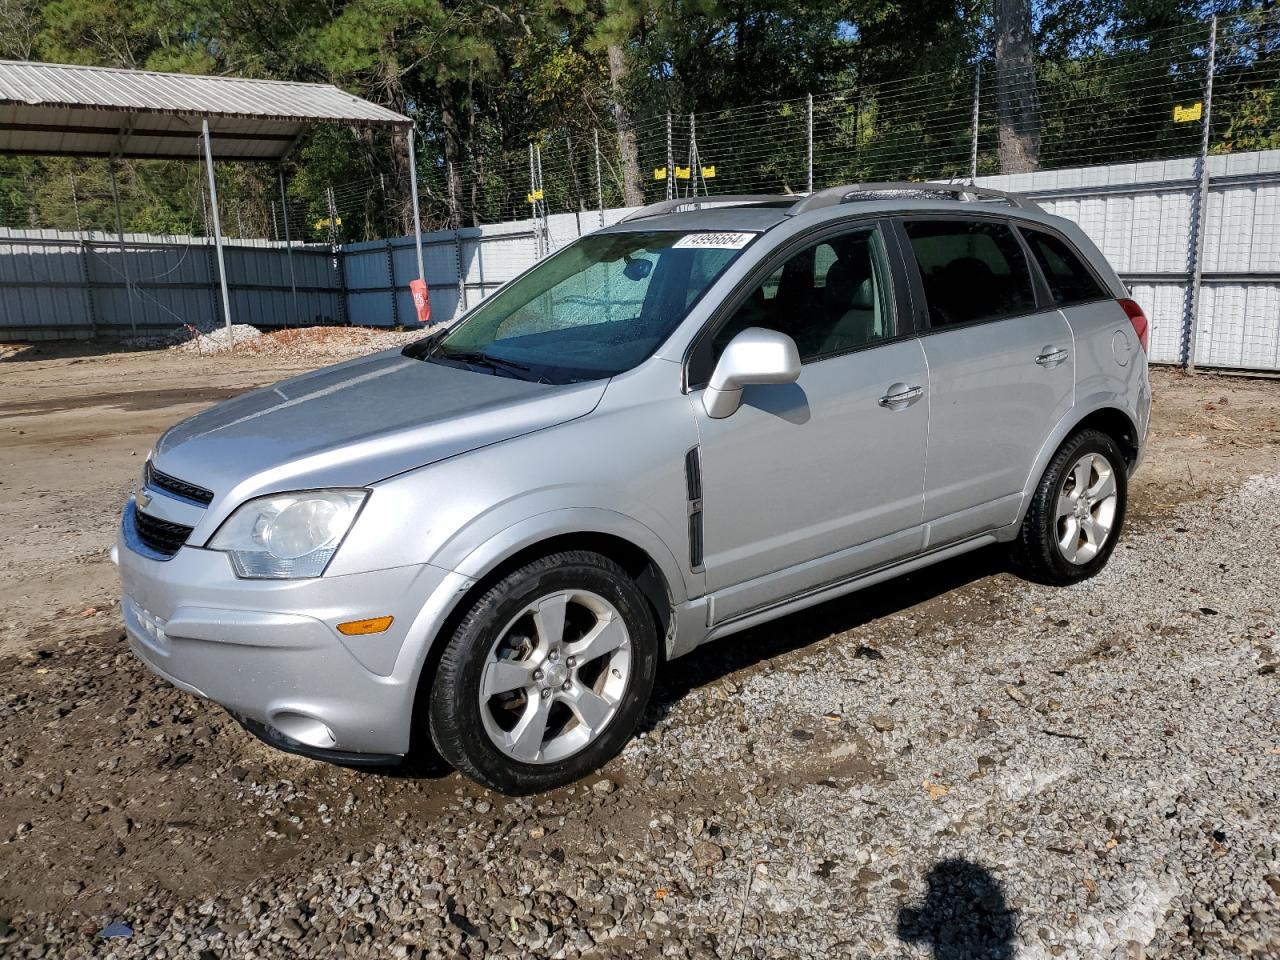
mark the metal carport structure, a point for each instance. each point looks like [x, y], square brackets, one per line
[59, 109]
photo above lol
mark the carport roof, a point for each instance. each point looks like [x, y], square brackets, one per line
[49, 108]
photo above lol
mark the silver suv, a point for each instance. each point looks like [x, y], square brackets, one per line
[716, 412]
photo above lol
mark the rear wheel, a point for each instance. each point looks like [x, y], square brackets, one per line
[547, 674]
[1076, 512]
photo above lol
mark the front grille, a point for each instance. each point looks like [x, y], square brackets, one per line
[179, 488]
[160, 535]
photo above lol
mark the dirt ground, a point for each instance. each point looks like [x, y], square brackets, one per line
[117, 787]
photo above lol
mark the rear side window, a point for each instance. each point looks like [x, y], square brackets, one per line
[1070, 281]
[973, 270]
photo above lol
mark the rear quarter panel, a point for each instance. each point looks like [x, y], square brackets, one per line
[1102, 382]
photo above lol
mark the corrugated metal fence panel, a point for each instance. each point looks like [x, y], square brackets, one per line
[1240, 326]
[365, 268]
[1145, 233]
[1163, 303]
[67, 284]
[1139, 214]
[1243, 229]
[1239, 317]
[42, 289]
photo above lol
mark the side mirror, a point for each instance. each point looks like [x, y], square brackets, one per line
[756, 355]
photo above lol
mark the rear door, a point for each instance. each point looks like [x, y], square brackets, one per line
[1001, 369]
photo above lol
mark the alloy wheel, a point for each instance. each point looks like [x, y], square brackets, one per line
[555, 676]
[1086, 510]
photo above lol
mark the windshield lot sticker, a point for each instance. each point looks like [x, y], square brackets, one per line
[717, 241]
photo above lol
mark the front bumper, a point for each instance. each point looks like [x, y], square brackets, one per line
[269, 650]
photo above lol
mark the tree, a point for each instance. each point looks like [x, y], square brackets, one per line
[632, 192]
[19, 27]
[1017, 105]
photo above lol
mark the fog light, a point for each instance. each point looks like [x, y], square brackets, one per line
[362, 628]
[306, 730]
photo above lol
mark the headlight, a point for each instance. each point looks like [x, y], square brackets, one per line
[288, 535]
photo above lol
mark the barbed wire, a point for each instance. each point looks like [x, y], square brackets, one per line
[1136, 99]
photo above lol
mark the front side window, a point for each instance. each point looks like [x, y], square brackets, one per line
[830, 297]
[597, 308]
[972, 270]
[1070, 281]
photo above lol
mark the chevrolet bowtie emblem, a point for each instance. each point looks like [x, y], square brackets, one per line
[144, 498]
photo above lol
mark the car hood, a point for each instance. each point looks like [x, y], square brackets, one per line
[359, 422]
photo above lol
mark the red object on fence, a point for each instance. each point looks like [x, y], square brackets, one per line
[421, 301]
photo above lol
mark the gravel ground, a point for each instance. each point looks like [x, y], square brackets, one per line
[955, 764]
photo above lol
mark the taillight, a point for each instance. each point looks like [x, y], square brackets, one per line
[1141, 325]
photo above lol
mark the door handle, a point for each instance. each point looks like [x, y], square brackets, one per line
[900, 395]
[1051, 357]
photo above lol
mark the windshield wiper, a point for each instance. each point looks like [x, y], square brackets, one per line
[421, 349]
[483, 359]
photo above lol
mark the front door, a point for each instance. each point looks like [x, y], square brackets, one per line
[810, 482]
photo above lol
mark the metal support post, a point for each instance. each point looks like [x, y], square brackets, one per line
[599, 183]
[454, 220]
[336, 255]
[693, 157]
[417, 217]
[124, 251]
[671, 162]
[1199, 213]
[461, 269]
[973, 141]
[288, 244]
[75, 199]
[217, 232]
[542, 205]
[331, 202]
[85, 268]
[391, 284]
[809, 137]
[533, 205]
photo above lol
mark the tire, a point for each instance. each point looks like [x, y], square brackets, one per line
[1042, 550]
[489, 730]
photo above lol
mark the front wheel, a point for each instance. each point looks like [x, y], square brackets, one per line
[1076, 512]
[547, 674]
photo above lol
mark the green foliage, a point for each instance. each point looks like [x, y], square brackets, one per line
[892, 84]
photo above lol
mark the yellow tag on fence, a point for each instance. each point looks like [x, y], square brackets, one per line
[708, 172]
[659, 173]
[534, 197]
[1188, 114]
[682, 173]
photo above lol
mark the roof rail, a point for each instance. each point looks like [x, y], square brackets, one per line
[833, 196]
[694, 203]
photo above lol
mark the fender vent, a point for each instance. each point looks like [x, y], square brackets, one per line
[693, 474]
[695, 540]
[693, 487]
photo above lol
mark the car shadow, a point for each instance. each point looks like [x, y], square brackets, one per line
[719, 658]
[964, 915]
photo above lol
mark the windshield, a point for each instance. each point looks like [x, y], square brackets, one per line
[597, 308]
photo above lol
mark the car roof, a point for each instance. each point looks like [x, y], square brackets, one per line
[762, 212]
